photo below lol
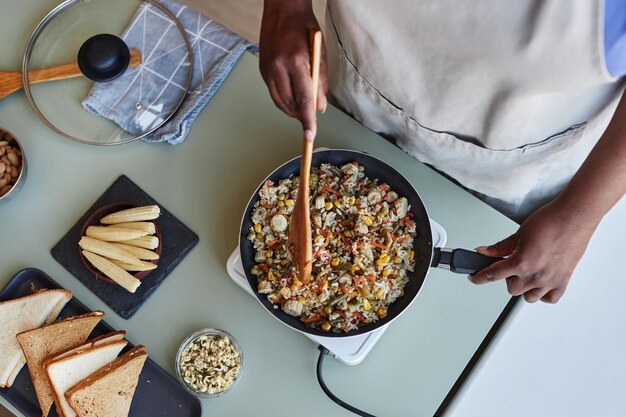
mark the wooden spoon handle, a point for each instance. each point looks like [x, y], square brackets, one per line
[10, 82]
[71, 70]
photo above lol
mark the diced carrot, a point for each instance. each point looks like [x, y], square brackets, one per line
[341, 313]
[411, 215]
[378, 245]
[356, 164]
[358, 316]
[267, 206]
[313, 319]
[371, 277]
[272, 243]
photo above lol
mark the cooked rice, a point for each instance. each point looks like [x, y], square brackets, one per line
[362, 248]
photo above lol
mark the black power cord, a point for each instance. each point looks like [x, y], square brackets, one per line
[320, 379]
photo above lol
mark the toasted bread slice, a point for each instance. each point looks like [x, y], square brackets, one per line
[109, 391]
[75, 366]
[49, 340]
[20, 315]
[96, 341]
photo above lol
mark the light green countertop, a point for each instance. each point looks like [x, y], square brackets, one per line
[206, 182]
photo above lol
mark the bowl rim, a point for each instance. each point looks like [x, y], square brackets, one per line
[208, 331]
[15, 141]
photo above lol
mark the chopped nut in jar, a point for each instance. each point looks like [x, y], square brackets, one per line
[210, 364]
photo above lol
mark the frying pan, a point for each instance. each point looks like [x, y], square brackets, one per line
[457, 260]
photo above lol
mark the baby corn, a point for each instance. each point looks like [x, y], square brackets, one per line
[137, 214]
[143, 254]
[146, 242]
[113, 234]
[145, 266]
[117, 274]
[108, 251]
[147, 228]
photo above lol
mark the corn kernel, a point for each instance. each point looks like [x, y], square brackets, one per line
[280, 203]
[355, 268]
[296, 281]
[379, 293]
[335, 262]
[365, 305]
[269, 254]
[319, 238]
[337, 203]
[325, 285]
[251, 236]
[281, 196]
[325, 326]
[397, 259]
[285, 292]
[411, 255]
[257, 228]
[382, 261]
[254, 270]
[386, 272]
[293, 288]
[301, 299]
[381, 312]
[289, 202]
[384, 255]
[352, 200]
[328, 206]
[368, 221]
[270, 276]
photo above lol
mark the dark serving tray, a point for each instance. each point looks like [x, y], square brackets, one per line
[157, 394]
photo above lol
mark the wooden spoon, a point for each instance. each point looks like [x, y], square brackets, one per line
[300, 227]
[10, 81]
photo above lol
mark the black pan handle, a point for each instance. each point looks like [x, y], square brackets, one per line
[461, 261]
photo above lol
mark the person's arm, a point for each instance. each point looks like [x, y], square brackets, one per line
[284, 59]
[544, 252]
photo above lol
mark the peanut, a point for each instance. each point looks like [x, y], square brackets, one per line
[12, 156]
[3, 183]
[3, 143]
[5, 190]
[3, 168]
[14, 172]
[5, 160]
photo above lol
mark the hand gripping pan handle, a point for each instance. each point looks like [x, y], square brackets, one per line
[461, 261]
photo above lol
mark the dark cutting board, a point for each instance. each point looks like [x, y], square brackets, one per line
[178, 240]
[157, 393]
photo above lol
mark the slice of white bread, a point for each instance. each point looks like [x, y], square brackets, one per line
[75, 366]
[109, 391]
[49, 340]
[96, 341]
[20, 315]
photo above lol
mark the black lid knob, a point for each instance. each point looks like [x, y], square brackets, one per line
[103, 57]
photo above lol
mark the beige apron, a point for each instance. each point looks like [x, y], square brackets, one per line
[507, 97]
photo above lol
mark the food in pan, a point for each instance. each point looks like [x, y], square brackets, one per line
[362, 248]
[10, 164]
[124, 243]
[20, 315]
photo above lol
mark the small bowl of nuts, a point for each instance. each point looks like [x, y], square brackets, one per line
[209, 363]
[12, 165]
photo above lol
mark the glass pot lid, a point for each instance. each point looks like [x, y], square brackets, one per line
[130, 81]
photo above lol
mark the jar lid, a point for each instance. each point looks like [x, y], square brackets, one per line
[93, 39]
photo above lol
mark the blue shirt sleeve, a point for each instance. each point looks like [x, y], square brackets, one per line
[615, 36]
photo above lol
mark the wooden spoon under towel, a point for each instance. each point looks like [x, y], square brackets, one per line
[11, 81]
[300, 228]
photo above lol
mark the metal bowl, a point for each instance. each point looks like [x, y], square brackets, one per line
[7, 136]
[188, 341]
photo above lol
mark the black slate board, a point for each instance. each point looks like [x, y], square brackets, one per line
[157, 393]
[178, 240]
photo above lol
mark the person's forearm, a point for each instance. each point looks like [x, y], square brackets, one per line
[293, 4]
[601, 180]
